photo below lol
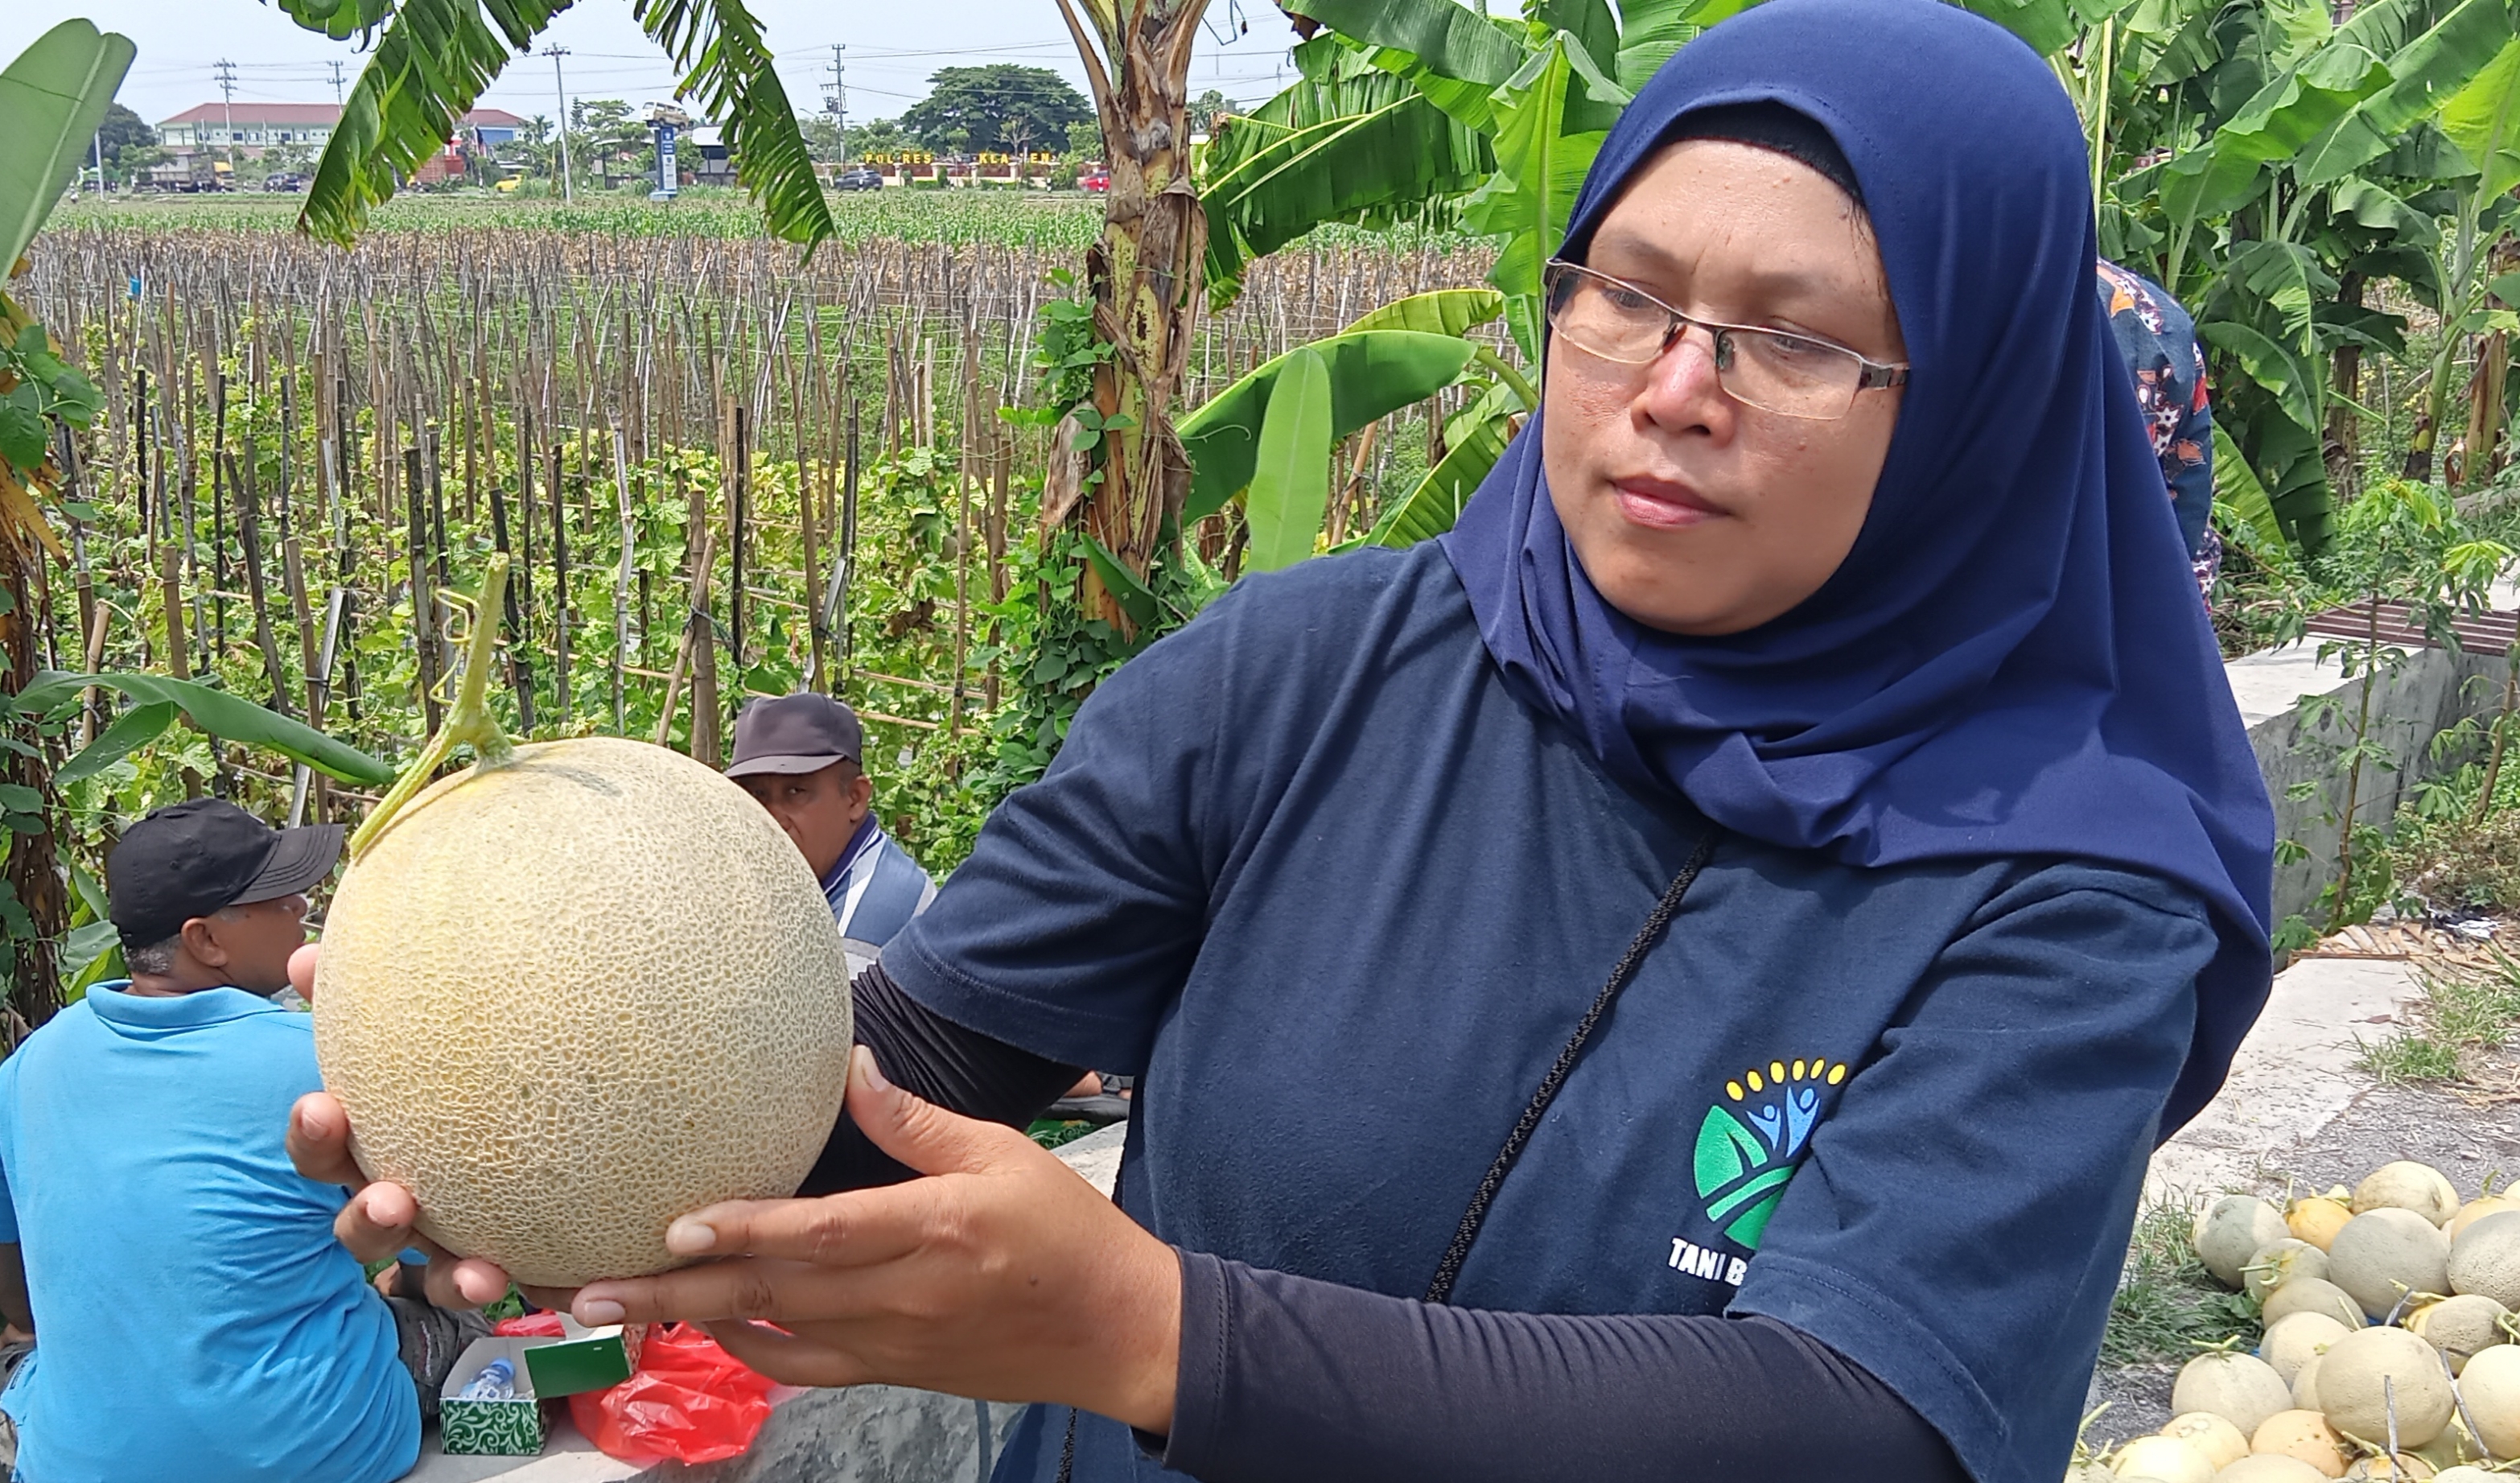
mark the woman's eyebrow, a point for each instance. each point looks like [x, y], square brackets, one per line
[1771, 278]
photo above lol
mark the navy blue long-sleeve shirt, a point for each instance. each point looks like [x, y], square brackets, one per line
[1890, 1121]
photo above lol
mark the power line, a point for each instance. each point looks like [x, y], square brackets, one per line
[336, 84]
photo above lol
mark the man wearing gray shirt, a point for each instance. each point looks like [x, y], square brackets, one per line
[799, 756]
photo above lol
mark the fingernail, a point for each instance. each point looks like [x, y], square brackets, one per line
[597, 1311]
[873, 1075]
[689, 1237]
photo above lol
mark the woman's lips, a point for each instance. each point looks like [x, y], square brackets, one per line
[1660, 505]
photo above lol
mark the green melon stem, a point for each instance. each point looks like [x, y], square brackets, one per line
[468, 724]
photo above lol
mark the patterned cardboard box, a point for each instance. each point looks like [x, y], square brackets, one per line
[511, 1428]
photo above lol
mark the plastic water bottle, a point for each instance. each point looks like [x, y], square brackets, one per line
[497, 1381]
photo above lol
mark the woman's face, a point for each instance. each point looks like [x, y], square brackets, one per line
[1690, 511]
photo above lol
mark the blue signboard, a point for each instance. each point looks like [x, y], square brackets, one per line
[668, 176]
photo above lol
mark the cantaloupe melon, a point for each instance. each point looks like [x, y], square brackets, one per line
[2270, 1467]
[2233, 1228]
[2276, 1263]
[574, 992]
[2363, 1374]
[2408, 1186]
[2161, 1460]
[2240, 1388]
[2469, 1472]
[2490, 1387]
[2214, 1437]
[2486, 1259]
[2460, 1327]
[2478, 1209]
[2306, 1437]
[2387, 1253]
[2304, 1386]
[2317, 1218]
[2297, 1338]
[2311, 1295]
[2406, 1468]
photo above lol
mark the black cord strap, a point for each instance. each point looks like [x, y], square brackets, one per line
[1450, 1270]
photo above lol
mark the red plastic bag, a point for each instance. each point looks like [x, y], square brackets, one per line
[534, 1326]
[689, 1401]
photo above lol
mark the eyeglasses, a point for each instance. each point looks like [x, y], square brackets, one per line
[1790, 374]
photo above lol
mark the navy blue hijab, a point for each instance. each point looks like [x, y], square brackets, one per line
[2011, 662]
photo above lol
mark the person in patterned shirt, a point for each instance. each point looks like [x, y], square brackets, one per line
[2158, 339]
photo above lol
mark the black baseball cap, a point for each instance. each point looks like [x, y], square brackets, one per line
[190, 859]
[794, 733]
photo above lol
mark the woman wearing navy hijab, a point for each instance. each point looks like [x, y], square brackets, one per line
[1758, 891]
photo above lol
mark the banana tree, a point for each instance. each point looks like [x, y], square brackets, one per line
[52, 100]
[2270, 167]
[1142, 277]
[433, 58]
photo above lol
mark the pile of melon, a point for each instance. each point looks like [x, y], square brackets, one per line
[2391, 1313]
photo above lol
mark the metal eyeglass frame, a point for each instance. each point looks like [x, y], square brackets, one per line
[1873, 376]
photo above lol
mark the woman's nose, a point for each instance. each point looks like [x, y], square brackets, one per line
[1682, 388]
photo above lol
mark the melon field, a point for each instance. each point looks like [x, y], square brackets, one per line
[721, 474]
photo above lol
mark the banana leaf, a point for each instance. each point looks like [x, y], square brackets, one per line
[2047, 25]
[1371, 373]
[1361, 148]
[224, 715]
[52, 100]
[2236, 486]
[1477, 439]
[2484, 120]
[1290, 478]
[134, 729]
[1444, 311]
[1539, 171]
[2424, 73]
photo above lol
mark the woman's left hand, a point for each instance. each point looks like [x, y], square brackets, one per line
[1002, 1276]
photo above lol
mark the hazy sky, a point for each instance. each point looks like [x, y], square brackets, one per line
[892, 49]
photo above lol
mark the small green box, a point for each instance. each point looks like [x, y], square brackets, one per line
[509, 1429]
[581, 1359]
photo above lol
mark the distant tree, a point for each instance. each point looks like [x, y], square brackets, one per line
[1204, 108]
[121, 130]
[1085, 140]
[605, 133]
[877, 136]
[998, 107]
[822, 136]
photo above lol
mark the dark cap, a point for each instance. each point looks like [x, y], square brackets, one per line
[190, 859]
[794, 733]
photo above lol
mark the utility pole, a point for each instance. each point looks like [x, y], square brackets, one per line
[567, 191]
[336, 84]
[838, 100]
[227, 94]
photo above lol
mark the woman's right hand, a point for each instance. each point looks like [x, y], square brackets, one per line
[381, 1218]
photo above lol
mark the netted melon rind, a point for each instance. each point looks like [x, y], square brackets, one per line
[570, 999]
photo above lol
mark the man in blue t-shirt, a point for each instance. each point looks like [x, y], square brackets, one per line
[195, 1317]
[801, 757]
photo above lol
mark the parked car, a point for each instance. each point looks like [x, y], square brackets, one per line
[858, 177]
[1097, 181]
[291, 183]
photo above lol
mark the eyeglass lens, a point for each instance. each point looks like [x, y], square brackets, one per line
[1775, 372]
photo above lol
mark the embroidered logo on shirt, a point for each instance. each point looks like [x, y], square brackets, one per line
[1749, 1145]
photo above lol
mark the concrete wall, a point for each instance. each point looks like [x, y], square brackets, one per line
[2432, 692]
